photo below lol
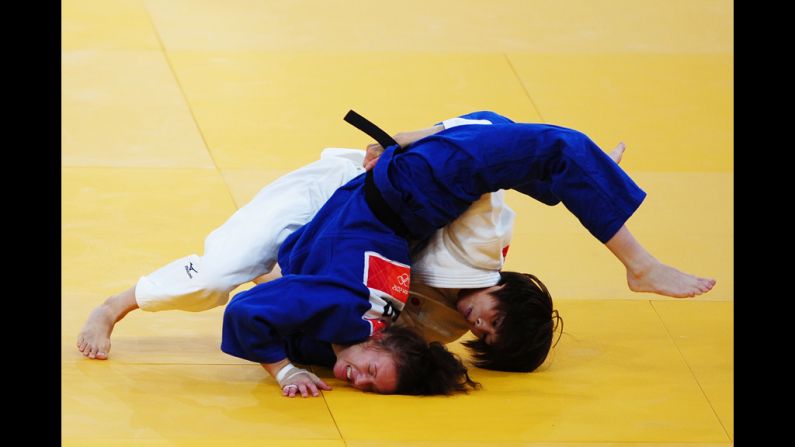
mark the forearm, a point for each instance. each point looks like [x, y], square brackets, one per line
[407, 138]
[404, 139]
[480, 118]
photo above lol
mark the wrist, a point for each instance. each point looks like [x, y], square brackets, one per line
[286, 371]
[275, 367]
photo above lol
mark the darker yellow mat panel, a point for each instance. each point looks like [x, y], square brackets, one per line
[196, 404]
[526, 444]
[615, 376]
[704, 334]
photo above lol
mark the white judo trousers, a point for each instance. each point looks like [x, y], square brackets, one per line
[468, 253]
[247, 244]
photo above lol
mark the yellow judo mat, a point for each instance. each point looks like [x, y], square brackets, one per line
[176, 112]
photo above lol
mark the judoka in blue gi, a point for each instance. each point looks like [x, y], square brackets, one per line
[346, 272]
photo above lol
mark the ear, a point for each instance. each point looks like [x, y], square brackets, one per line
[496, 288]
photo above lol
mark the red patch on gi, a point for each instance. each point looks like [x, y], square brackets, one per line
[505, 251]
[376, 325]
[390, 277]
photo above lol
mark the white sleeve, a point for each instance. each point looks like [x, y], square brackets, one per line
[470, 251]
[453, 122]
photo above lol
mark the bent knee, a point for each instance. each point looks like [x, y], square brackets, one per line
[214, 290]
[576, 145]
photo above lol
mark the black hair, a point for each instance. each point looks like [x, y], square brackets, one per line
[424, 368]
[524, 337]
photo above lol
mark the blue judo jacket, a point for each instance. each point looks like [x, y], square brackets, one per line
[346, 274]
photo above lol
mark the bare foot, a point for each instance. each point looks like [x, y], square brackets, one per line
[666, 280]
[618, 152]
[94, 339]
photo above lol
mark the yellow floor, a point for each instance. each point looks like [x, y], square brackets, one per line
[176, 112]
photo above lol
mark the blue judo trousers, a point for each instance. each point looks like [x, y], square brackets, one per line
[345, 271]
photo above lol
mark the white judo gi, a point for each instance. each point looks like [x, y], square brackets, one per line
[467, 253]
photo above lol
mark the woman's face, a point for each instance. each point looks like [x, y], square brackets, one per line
[479, 308]
[367, 368]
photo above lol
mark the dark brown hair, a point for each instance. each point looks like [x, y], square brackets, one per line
[424, 368]
[525, 335]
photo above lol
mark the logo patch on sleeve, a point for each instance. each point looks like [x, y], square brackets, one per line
[384, 275]
[388, 282]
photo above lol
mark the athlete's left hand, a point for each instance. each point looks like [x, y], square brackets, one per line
[303, 382]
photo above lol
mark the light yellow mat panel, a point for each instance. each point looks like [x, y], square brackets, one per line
[107, 24]
[448, 25]
[124, 108]
[675, 110]
[615, 376]
[704, 334]
[122, 223]
[686, 221]
[258, 109]
[150, 337]
[225, 403]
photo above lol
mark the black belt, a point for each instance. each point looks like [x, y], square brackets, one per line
[369, 128]
[372, 195]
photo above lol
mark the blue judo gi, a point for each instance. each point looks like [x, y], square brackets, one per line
[346, 272]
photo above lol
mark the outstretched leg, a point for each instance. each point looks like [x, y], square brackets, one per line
[549, 163]
[94, 339]
[244, 247]
[646, 274]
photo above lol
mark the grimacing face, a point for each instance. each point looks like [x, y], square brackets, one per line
[367, 368]
[479, 308]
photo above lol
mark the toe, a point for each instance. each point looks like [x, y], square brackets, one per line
[706, 285]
